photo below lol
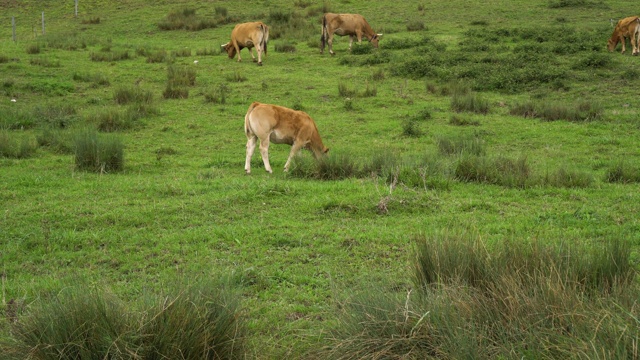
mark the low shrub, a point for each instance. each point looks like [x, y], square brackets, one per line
[98, 153]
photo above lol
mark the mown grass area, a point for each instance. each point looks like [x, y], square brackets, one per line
[512, 124]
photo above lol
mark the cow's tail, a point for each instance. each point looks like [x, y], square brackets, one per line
[247, 129]
[265, 37]
[323, 37]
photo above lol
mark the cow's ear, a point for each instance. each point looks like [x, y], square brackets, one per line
[224, 45]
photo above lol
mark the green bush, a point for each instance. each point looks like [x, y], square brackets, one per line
[98, 153]
[58, 141]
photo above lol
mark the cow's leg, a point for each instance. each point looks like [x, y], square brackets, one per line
[350, 41]
[634, 44]
[294, 150]
[624, 41]
[251, 147]
[264, 152]
[259, 51]
[330, 43]
[253, 58]
[235, 44]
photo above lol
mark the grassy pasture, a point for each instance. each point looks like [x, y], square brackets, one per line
[182, 206]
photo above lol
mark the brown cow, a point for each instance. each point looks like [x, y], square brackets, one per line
[248, 35]
[628, 27]
[353, 25]
[280, 125]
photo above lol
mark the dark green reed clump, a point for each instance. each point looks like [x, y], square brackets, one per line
[97, 79]
[108, 56]
[98, 153]
[561, 299]
[192, 321]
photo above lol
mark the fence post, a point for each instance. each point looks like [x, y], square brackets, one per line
[43, 23]
[13, 27]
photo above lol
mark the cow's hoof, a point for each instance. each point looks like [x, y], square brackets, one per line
[260, 64]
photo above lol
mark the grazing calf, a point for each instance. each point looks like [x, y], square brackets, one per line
[628, 27]
[248, 35]
[280, 125]
[353, 25]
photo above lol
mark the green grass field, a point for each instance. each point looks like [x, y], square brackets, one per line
[182, 206]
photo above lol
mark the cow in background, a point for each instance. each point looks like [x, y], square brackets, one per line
[280, 125]
[628, 27]
[248, 35]
[353, 25]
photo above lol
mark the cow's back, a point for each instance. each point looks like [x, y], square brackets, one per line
[246, 31]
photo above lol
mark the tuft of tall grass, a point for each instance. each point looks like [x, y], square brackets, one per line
[498, 171]
[509, 299]
[622, 172]
[415, 25]
[108, 56]
[192, 321]
[56, 140]
[158, 56]
[181, 75]
[98, 153]
[568, 178]
[236, 77]
[77, 323]
[553, 111]
[13, 118]
[470, 103]
[34, 48]
[16, 147]
[96, 78]
[345, 91]
[44, 62]
[411, 128]
[217, 95]
[132, 94]
[285, 47]
[456, 120]
[186, 19]
[460, 144]
[91, 20]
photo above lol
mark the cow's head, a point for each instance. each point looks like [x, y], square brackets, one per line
[611, 44]
[230, 49]
[375, 39]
